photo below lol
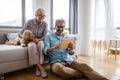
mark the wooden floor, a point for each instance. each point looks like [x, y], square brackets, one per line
[105, 65]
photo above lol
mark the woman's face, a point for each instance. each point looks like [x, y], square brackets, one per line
[40, 18]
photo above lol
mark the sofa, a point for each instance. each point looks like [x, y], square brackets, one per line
[14, 58]
[11, 57]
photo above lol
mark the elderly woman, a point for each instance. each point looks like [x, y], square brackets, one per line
[39, 28]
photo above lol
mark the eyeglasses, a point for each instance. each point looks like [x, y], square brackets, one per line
[42, 15]
[60, 26]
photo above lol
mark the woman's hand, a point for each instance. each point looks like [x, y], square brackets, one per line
[40, 39]
[35, 40]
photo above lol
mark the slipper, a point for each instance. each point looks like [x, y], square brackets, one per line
[37, 72]
[44, 74]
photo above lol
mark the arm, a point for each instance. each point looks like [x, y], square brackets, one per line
[22, 30]
[44, 33]
[45, 30]
[49, 50]
[70, 48]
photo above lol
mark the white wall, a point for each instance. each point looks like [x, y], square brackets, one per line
[85, 23]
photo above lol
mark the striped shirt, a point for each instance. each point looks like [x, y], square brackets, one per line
[39, 30]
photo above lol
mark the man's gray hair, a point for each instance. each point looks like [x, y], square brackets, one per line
[59, 20]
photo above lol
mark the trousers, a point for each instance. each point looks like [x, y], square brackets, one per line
[35, 53]
[76, 70]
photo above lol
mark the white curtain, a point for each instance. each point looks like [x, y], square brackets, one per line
[104, 27]
[110, 31]
[85, 23]
[99, 28]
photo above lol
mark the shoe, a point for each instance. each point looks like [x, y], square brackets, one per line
[37, 72]
[44, 74]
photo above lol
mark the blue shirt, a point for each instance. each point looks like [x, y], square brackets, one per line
[56, 55]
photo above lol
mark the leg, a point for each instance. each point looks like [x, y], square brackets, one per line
[87, 71]
[33, 53]
[65, 72]
[34, 58]
[41, 70]
[40, 47]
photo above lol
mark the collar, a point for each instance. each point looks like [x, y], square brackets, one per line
[61, 35]
[36, 22]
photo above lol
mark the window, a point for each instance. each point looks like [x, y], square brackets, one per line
[61, 10]
[29, 9]
[11, 13]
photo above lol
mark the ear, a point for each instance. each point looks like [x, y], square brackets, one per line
[21, 36]
[24, 33]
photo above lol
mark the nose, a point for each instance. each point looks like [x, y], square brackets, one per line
[61, 28]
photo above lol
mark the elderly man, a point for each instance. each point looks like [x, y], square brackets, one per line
[61, 62]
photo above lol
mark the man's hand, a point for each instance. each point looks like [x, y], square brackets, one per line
[49, 50]
[57, 46]
[71, 45]
[71, 51]
[71, 48]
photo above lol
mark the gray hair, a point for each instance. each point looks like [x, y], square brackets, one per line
[59, 20]
[39, 11]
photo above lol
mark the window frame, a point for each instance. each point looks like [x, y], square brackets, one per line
[52, 28]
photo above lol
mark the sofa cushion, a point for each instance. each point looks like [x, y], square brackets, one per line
[12, 53]
[12, 36]
[3, 33]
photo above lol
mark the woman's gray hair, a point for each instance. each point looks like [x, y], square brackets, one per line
[40, 11]
[59, 20]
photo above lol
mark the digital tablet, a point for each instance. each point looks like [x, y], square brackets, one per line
[65, 42]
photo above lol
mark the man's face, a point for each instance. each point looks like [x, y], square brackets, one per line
[60, 27]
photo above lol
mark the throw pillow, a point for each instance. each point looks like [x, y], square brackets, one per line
[12, 36]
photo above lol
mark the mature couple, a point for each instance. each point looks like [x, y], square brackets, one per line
[60, 60]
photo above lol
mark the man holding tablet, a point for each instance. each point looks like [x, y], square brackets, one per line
[61, 62]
